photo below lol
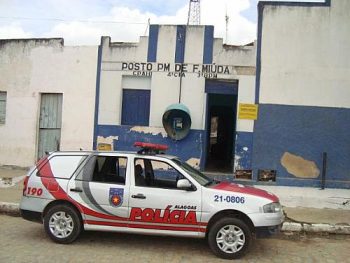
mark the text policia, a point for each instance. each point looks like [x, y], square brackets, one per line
[167, 216]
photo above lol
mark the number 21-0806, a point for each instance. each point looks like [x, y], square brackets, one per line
[229, 199]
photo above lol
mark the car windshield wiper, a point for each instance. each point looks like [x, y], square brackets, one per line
[209, 183]
[213, 181]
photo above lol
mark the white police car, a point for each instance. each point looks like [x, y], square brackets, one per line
[144, 193]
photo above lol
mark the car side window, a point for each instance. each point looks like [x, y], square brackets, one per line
[109, 169]
[153, 173]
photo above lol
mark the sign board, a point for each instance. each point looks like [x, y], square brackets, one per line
[248, 111]
[104, 147]
[146, 69]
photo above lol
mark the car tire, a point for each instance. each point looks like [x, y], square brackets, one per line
[229, 238]
[62, 224]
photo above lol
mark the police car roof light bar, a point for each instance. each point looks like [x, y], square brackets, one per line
[150, 148]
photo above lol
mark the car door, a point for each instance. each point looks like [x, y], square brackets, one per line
[100, 189]
[155, 201]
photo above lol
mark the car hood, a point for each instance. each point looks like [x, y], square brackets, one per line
[239, 188]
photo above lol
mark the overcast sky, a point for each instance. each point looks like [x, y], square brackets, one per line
[83, 22]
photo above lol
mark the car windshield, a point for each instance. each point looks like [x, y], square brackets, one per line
[194, 173]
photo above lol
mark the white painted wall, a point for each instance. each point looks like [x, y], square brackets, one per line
[124, 51]
[194, 98]
[109, 111]
[31, 67]
[164, 92]
[166, 47]
[291, 196]
[194, 44]
[110, 104]
[236, 55]
[132, 82]
[305, 55]
[246, 94]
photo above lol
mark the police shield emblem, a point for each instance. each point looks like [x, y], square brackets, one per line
[116, 196]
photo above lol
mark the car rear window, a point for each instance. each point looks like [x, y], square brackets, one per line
[61, 166]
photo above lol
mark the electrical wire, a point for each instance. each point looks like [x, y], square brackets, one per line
[71, 20]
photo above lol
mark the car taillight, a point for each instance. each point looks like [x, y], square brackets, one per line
[25, 182]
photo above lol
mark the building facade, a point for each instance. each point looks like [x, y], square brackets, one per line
[188, 67]
[275, 111]
[47, 93]
[302, 87]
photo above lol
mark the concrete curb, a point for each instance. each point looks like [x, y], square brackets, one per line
[316, 228]
[13, 210]
[9, 209]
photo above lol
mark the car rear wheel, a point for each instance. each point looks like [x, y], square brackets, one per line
[62, 224]
[229, 238]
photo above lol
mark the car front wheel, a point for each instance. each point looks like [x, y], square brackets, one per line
[229, 238]
[62, 224]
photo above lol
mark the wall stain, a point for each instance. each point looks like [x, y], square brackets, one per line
[299, 167]
[150, 130]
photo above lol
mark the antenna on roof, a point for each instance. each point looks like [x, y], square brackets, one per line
[148, 24]
[226, 24]
[194, 13]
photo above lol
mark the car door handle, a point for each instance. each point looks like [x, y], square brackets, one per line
[139, 196]
[78, 190]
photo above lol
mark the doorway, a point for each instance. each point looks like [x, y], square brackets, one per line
[50, 122]
[221, 130]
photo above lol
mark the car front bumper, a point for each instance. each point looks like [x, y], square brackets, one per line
[267, 231]
[267, 219]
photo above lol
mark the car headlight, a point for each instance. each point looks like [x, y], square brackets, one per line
[272, 208]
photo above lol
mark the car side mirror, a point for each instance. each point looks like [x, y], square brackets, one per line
[184, 184]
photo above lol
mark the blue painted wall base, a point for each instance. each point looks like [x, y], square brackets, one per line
[243, 150]
[190, 147]
[306, 132]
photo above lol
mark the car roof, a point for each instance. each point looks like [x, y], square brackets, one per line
[63, 153]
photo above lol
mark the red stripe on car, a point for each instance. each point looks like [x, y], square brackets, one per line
[231, 187]
[156, 227]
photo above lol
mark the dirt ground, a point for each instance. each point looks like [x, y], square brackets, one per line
[24, 241]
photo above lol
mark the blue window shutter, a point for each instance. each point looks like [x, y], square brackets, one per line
[136, 107]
